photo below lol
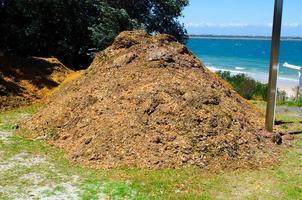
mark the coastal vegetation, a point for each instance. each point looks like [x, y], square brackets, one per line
[252, 89]
[292, 103]
[246, 86]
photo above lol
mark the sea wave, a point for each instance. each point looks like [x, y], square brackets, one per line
[288, 79]
[216, 69]
[240, 68]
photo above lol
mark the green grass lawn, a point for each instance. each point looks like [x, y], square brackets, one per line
[34, 168]
[292, 103]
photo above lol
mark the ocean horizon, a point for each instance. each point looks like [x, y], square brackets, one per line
[251, 57]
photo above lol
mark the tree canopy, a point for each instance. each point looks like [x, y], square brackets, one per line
[73, 30]
[156, 15]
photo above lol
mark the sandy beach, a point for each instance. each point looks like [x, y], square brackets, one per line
[287, 85]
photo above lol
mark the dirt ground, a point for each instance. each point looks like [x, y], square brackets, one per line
[24, 81]
[148, 102]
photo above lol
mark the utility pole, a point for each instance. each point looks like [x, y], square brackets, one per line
[274, 66]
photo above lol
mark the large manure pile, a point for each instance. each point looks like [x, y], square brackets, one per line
[147, 102]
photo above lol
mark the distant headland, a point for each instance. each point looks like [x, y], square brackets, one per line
[240, 37]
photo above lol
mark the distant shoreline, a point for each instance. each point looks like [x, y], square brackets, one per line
[230, 37]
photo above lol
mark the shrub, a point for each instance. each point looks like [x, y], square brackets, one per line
[245, 86]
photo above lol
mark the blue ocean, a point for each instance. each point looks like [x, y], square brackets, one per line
[246, 56]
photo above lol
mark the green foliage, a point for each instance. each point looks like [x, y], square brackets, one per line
[245, 86]
[156, 15]
[74, 29]
[66, 29]
[293, 103]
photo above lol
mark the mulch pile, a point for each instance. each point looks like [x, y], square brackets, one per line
[148, 102]
[24, 81]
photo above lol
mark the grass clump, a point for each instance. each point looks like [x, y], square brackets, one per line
[291, 103]
[9, 118]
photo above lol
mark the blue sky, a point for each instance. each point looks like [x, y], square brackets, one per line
[241, 17]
